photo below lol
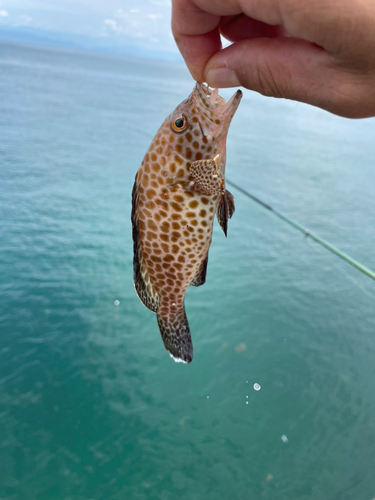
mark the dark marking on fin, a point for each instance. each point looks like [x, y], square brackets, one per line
[230, 201]
[149, 300]
[225, 210]
[175, 333]
[200, 278]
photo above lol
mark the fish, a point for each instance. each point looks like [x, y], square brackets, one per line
[178, 189]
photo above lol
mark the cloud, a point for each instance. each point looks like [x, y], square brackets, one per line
[24, 20]
[144, 23]
[112, 25]
[153, 17]
[163, 3]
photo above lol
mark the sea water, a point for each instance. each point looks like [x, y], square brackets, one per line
[279, 401]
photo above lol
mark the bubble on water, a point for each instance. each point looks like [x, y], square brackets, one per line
[247, 396]
[256, 387]
[240, 348]
[247, 402]
[284, 439]
[117, 303]
[208, 397]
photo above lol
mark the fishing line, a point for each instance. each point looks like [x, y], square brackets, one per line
[354, 281]
[306, 232]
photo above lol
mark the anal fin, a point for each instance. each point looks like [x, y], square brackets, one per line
[225, 210]
[200, 278]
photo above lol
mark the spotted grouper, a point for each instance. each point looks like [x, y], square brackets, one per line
[178, 189]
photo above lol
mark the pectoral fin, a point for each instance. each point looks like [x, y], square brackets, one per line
[205, 176]
[225, 210]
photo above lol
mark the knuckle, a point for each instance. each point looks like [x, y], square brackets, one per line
[268, 81]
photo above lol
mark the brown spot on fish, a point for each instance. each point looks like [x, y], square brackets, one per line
[150, 193]
[165, 226]
[176, 206]
[151, 235]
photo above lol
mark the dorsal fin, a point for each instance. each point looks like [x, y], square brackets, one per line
[142, 283]
[225, 210]
[200, 278]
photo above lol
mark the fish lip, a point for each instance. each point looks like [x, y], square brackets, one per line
[230, 107]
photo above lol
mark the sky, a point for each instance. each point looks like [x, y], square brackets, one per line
[145, 23]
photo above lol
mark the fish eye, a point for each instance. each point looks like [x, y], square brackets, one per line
[179, 123]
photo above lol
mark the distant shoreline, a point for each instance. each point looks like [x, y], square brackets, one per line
[104, 45]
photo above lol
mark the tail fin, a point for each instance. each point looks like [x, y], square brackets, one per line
[175, 332]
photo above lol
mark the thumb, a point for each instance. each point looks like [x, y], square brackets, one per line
[293, 69]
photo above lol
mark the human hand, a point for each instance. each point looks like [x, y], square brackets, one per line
[321, 52]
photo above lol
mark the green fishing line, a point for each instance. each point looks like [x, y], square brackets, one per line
[307, 232]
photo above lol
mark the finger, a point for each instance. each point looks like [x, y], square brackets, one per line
[195, 29]
[292, 69]
[196, 34]
[313, 21]
[235, 28]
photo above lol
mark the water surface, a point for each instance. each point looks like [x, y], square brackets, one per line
[91, 405]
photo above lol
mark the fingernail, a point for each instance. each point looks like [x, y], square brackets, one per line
[222, 78]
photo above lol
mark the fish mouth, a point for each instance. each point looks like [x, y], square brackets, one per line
[213, 102]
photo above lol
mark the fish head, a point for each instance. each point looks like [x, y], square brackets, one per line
[204, 118]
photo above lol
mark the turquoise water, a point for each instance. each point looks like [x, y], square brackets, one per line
[91, 405]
